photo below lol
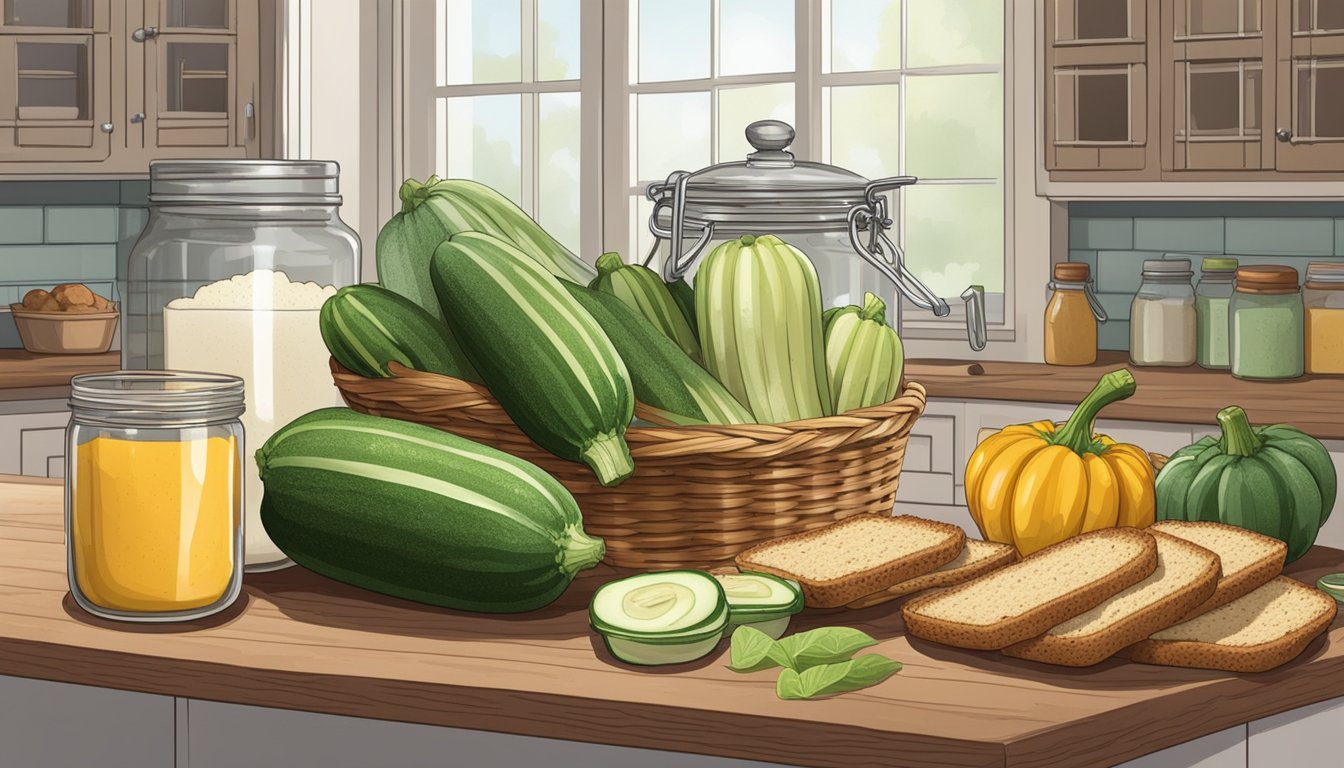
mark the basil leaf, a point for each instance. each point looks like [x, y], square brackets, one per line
[825, 645]
[830, 679]
[752, 650]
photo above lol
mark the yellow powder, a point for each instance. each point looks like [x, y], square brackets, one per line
[1325, 340]
[154, 522]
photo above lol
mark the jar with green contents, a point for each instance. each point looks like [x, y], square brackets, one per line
[1266, 310]
[1213, 296]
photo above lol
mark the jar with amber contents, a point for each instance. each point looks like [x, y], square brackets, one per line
[154, 494]
[1324, 300]
[1071, 317]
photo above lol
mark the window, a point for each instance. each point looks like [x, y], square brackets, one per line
[881, 87]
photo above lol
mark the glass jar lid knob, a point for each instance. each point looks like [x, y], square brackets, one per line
[770, 139]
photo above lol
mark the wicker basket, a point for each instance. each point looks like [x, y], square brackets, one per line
[699, 495]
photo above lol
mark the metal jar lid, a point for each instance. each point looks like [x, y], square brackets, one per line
[1167, 269]
[156, 398]
[244, 182]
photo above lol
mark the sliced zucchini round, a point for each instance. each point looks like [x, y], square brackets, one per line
[660, 605]
[759, 596]
[652, 654]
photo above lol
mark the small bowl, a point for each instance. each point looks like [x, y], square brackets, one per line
[65, 333]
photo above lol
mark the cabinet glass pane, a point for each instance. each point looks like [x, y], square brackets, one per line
[1223, 99]
[558, 156]
[1222, 17]
[198, 77]
[941, 249]
[198, 14]
[1091, 19]
[755, 37]
[483, 141]
[482, 41]
[673, 40]
[672, 133]
[865, 124]
[954, 126]
[53, 81]
[69, 14]
[1318, 15]
[1092, 104]
[739, 107]
[558, 40]
[1320, 110]
[952, 32]
[865, 35]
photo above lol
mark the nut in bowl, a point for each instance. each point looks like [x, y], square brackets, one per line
[69, 319]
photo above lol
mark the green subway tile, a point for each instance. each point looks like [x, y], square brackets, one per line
[9, 334]
[135, 192]
[1086, 257]
[82, 225]
[21, 225]
[9, 294]
[1116, 304]
[1121, 271]
[1281, 237]
[1113, 335]
[50, 264]
[1195, 235]
[60, 193]
[1101, 234]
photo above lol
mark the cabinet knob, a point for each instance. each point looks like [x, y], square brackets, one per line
[138, 117]
[1284, 135]
[144, 33]
[106, 127]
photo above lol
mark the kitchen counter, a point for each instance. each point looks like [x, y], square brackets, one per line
[1314, 404]
[26, 376]
[298, 641]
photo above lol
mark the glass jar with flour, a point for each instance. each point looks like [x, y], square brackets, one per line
[228, 277]
[1162, 317]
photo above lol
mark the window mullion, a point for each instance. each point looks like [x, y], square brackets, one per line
[807, 64]
[529, 108]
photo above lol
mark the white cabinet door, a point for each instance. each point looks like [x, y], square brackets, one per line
[58, 725]
[32, 440]
[1305, 737]
[1224, 749]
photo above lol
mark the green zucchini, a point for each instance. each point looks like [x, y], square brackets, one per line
[684, 295]
[642, 290]
[366, 326]
[440, 208]
[541, 354]
[418, 513]
[661, 374]
[864, 356]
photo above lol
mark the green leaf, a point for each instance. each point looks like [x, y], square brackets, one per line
[830, 679]
[825, 645]
[752, 650]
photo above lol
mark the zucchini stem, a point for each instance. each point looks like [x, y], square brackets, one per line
[413, 193]
[1238, 437]
[1076, 434]
[578, 551]
[874, 309]
[609, 262]
[609, 458]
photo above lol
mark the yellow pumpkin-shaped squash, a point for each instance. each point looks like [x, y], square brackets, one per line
[1033, 485]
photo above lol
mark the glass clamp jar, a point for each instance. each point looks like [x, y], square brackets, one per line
[1072, 315]
[154, 494]
[228, 277]
[1267, 323]
[1162, 316]
[1213, 297]
[1323, 299]
[836, 217]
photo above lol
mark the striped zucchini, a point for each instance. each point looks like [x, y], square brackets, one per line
[542, 356]
[684, 295]
[758, 304]
[864, 356]
[662, 375]
[367, 326]
[440, 208]
[643, 291]
[421, 514]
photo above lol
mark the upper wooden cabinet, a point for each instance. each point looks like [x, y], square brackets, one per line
[102, 86]
[1193, 89]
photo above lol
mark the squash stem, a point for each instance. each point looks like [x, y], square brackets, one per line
[874, 309]
[413, 193]
[1238, 437]
[578, 551]
[609, 262]
[609, 458]
[1077, 432]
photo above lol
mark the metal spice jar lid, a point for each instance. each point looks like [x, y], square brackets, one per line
[1267, 279]
[1325, 276]
[1218, 264]
[1072, 272]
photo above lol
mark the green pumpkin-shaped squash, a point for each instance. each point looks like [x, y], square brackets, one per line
[1274, 480]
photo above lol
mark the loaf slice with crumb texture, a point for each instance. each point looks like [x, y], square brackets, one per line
[856, 556]
[975, 559]
[1025, 599]
[1250, 560]
[1186, 576]
[1260, 631]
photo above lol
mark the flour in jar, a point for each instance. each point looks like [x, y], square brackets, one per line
[264, 328]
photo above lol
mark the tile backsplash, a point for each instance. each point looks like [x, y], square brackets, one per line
[1116, 237]
[65, 231]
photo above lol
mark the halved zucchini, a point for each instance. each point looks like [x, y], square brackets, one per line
[668, 617]
[759, 600]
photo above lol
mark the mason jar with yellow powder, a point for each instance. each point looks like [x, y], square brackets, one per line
[154, 494]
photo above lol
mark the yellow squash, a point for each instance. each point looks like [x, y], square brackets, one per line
[1033, 485]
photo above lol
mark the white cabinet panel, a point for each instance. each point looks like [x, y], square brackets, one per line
[1224, 749]
[58, 725]
[30, 439]
[1305, 737]
[40, 450]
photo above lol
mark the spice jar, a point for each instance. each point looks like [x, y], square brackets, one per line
[1323, 299]
[1162, 316]
[229, 276]
[1267, 311]
[1071, 317]
[154, 494]
[1213, 296]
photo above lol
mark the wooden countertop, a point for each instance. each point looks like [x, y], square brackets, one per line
[1314, 404]
[299, 641]
[26, 376]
